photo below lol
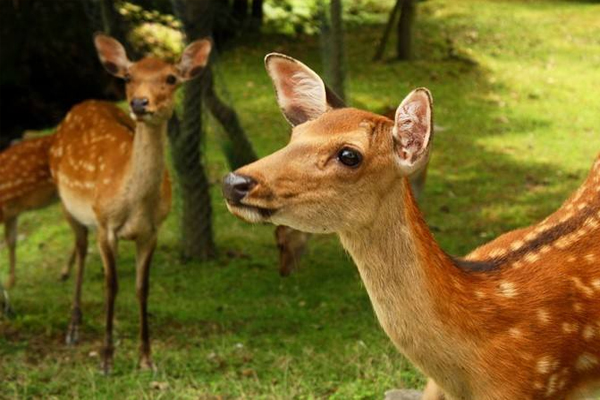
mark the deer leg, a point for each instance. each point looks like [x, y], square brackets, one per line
[6, 307]
[107, 244]
[144, 252]
[80, 252]
[10, 234]
[66, 271]
[292, 244]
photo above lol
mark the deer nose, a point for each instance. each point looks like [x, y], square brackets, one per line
[139, 104]
[236, 187]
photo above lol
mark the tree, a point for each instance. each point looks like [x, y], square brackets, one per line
[257, 14]
[186, 138]
[406, 8]
[332, 46]
[405, 24]
[187, 135]
[386, 32]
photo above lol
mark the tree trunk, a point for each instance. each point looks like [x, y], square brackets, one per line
[113, 25]
[386, 32]
[337, 62]
[239, 10]
[257, 14]
[237, 148]
[332, 46]
[196, 216]
[196, 213]
[405, 24]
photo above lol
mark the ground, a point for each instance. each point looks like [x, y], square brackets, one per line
[516, 106]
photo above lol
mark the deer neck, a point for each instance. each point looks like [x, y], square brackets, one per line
[147, 163]
[398, 261]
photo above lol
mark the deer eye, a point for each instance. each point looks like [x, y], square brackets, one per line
[349, 157]
[171, 79]
[127, 78]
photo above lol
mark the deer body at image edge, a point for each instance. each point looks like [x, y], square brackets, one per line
[111, 174]
[519, 318]
[25, 185]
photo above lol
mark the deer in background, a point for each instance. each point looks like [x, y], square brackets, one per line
[516, 319]
[25, 184]
[111, 174]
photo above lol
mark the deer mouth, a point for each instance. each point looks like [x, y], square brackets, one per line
[142, 115]
[249, 213]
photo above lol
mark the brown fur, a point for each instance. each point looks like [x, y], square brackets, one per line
[526, 329]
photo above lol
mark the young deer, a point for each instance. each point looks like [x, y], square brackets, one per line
[25, 184]
[517, 319]
[111, 175]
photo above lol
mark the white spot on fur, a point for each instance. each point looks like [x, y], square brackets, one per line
[499, 252]
[516, 245]
[544, 365]
[569, 327]
[507, 289]
[543, 316]
[581, 287]
[532, 257]
[515, 332]
[588, 332]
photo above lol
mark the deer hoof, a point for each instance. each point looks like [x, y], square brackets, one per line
[146, 364]
[106, 367]
[72, 336]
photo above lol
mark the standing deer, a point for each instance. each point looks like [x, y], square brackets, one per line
[111, 175]
[25, 184]
[518, 319]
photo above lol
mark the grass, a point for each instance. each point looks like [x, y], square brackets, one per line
[516, 108]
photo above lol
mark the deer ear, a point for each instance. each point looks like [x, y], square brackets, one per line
[194, 59]
[413, 131]
[112, 55]
[301, 93]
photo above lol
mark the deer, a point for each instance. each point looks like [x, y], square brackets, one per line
[25, 185]
[111, 175]
[292, 244]
[517, 318]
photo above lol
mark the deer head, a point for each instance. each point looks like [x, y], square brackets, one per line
[150, 82]
[339, 163]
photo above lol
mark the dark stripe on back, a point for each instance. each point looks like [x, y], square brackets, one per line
[544, 238]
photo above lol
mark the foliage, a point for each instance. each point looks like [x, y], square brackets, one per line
[516, 132]
[293, 17]
[153, 32]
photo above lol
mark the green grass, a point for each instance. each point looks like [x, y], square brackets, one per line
[515, 88]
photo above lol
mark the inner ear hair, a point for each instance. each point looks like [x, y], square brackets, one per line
[413, 130]
[112, 54]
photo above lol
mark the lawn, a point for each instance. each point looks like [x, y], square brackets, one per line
[515, 87]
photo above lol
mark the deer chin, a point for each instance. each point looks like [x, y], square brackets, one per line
[252, 214]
